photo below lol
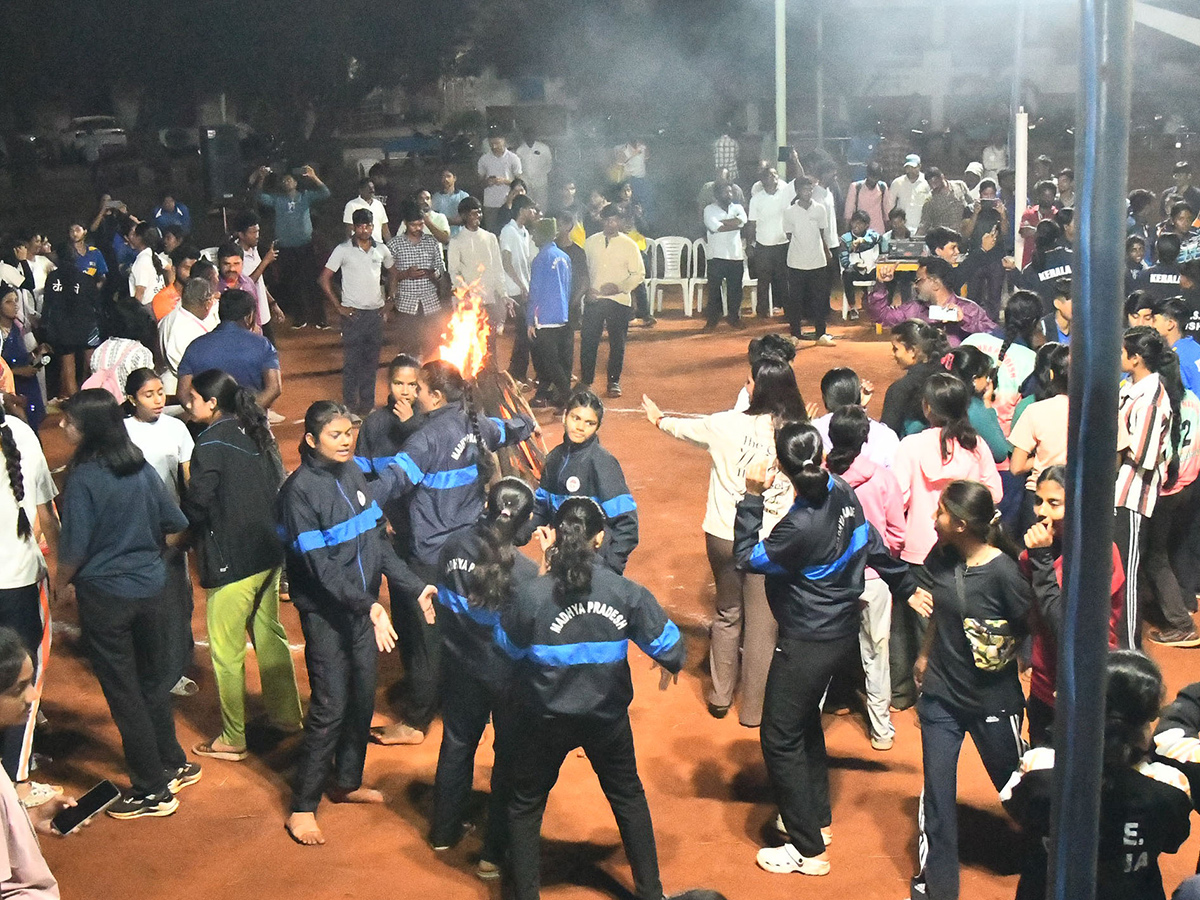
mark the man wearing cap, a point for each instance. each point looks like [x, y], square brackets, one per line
[1182, 190]
[548, 317]
[911, 191]
[972, 175]
[360, 307]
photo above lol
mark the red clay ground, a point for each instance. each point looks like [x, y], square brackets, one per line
[705, 778]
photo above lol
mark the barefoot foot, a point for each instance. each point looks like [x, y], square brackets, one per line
[302, 828]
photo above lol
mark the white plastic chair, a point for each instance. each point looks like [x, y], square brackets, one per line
[676, 268]
[699, 277]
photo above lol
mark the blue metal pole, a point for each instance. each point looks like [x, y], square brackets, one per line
[1101, 160]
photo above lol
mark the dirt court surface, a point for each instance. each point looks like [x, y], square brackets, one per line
[705, 778]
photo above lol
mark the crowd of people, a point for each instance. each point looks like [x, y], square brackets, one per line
[917, 554]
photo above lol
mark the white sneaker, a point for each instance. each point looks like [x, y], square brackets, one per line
[275, 418]
[882, 742]
[787, 859]
[826, 833]
[825, 340]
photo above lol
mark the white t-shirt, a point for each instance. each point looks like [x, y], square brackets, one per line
[251, 260]
[724, 244]
[166, 444]
[361, 271]
[516, 241]
[378, 215]
[439, 220]
[178, 329]
[536, 162]
[507, 166]
[143, 274]
[766, 212]
[21, 562]
[635, 159]
[807, 247]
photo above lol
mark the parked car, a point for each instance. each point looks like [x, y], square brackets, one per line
[88, 138]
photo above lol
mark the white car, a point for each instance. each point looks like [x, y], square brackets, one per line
[88, 138]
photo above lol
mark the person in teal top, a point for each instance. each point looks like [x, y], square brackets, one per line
[293, 242]
[975, 369]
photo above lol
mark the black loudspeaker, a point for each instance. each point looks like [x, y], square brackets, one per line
[221, 158]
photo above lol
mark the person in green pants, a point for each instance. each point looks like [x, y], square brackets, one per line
[235, 474]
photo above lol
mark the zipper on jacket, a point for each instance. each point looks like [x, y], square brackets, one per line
[357, 537]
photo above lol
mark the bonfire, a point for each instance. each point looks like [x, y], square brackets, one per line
[467, 344]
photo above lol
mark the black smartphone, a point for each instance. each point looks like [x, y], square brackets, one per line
[785, 154]
[95, 801]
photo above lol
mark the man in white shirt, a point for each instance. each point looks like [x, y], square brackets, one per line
[536, 164]
[766, 235]
[807, 223]
[516, 254]
[366, 199]
[361, 261]
[498, 167]
[911, 191]
[436, 224]
[474, 254]
[195, 315]
[723, 220]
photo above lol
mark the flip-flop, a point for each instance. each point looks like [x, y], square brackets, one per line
[205, 748]
[378, 735]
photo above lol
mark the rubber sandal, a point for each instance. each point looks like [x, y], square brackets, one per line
[205, 748]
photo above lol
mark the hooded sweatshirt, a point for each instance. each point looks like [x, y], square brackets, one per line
[923, 475]
[879, 494]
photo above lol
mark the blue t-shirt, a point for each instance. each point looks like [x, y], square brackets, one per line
[233, 349]
[447, 205]
[1188, 352]
[90, 263]
[549, 287]
[181, 216]
[293, 224]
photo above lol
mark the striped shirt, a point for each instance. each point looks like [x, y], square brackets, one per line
[418, 294]
[1143, 440]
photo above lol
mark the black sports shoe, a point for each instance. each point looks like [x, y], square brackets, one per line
[187, 774]
[135, 807]
[614, 389]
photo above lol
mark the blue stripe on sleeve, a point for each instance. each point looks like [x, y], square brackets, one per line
[411, 469]
[341, 533]
[586, 653]
[664, 642]
[459, 604]
[858, 540]
[503, 428]
[618, 506]
[760, 562]
[440, 481]
[505, 643]
[367, 466]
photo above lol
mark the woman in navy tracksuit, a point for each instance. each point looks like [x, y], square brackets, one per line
[581, 467]
[337, 553]
[480, 569]
[445, 476]
[814, 561]
[569, 632]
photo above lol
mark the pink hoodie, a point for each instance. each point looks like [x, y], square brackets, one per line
[879, 493]
[923, 475]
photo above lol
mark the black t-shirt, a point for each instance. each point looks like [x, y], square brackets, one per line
[1144, 811]
[995, 592]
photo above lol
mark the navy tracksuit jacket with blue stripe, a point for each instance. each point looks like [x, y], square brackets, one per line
[438, 465]
[572, 659]
[814, 561]
[336, 547]
[588, 470]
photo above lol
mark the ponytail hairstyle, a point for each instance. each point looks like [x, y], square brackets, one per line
[1160, 359]
[926, 341]
[16, 483]
[509, 506]
[445, 378]
[1133, 696]
[96, 415]
[1051, 370]
[1022, 316]
[972, 503]
[135, 382]
[840, 387]
[237, 401]
[149, 235]
[775, 392]
[848, 430]
[970, 363]
[948, 399]
[316, 418]
[588, 399]
[799, 450]
[400, 361]
[772, 344]
[576, 525]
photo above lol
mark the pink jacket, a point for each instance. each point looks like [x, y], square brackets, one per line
[879, 493]
[923, 475]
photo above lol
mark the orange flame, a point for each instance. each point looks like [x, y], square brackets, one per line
[465, 341]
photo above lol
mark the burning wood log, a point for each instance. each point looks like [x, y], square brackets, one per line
[468, 345]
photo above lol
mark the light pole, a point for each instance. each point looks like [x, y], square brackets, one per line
[781, 139]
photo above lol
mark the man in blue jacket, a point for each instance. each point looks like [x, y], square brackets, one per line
[547, 316]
